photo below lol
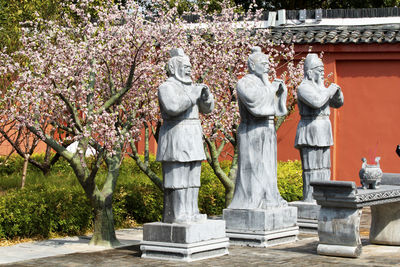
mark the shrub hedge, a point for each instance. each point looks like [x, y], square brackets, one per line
[56, 204]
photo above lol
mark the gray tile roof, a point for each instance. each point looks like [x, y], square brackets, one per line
[383, 33]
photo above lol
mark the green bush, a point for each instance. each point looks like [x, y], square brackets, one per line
[56, 204]
[42, 211]
[290, 182]
[212, 192]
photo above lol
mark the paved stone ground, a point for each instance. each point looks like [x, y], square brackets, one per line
[300, 253]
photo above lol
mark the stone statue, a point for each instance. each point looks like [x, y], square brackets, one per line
[180, 143]
[259, 102]
[314, 131]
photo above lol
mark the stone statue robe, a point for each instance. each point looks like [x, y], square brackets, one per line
[181, 135]
[256, 181]
[314, 133]
[314, 128]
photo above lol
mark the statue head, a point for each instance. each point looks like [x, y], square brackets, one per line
[314, 68]
[179, 66]
[258, 62]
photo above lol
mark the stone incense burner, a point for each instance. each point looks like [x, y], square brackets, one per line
[370, 175]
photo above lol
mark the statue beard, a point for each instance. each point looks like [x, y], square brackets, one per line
[320, 81]
[185, 79]
[317, 81]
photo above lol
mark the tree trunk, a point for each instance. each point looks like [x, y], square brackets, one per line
[229, 190]
[104, 232]
[25, 169]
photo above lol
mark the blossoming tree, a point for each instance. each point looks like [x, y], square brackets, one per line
[218, 47]
[90, 77]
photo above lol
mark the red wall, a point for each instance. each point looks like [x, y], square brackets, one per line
[368, 124]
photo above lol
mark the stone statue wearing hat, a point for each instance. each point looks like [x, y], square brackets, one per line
[180, 143]
[259, 102]
[314, 131]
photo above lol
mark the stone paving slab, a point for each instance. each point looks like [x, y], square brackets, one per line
[61, 246]
[300, 253]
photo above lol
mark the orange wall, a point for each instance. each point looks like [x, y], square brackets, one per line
[368, 124]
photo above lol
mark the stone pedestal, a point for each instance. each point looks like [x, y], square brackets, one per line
[339, 232]
[385, 224]
[307, 216]
[261, 228]
[184, 242]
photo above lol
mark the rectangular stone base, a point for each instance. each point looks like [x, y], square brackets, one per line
[307, 216]
[184, 242]
[185, 252]
[184, 232]
[263, 238]
[260, 219]
[261, 228]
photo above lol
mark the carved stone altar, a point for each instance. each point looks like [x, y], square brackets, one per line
[339, 219]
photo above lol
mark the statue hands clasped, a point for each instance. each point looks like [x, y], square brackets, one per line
[205, 91]
[334, 89]
[279, 86]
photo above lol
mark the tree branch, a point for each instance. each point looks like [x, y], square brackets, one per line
[73, 112]
[118, 95]
[51, 142]
[146, 169]
[216, 166]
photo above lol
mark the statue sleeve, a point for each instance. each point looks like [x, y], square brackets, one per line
[257, 101]
[313, 98]
[206, 106]
[173, 99]
[280, 99]
[337, 99]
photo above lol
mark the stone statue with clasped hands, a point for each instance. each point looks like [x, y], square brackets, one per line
[259, 102]
[314, 131]
[180, 143]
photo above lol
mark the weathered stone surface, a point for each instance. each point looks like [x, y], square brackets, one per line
[184, 233]
[385, 224]
[391, 179]
[260, 219]
[345, 194]
[300, 253]
[261, 228]
[339, 219]
[180, 140]
[259, 102]
[307, 215]
[184, 242]
[339, 232]
[314, 131]
[185, 252]
[263, 238]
